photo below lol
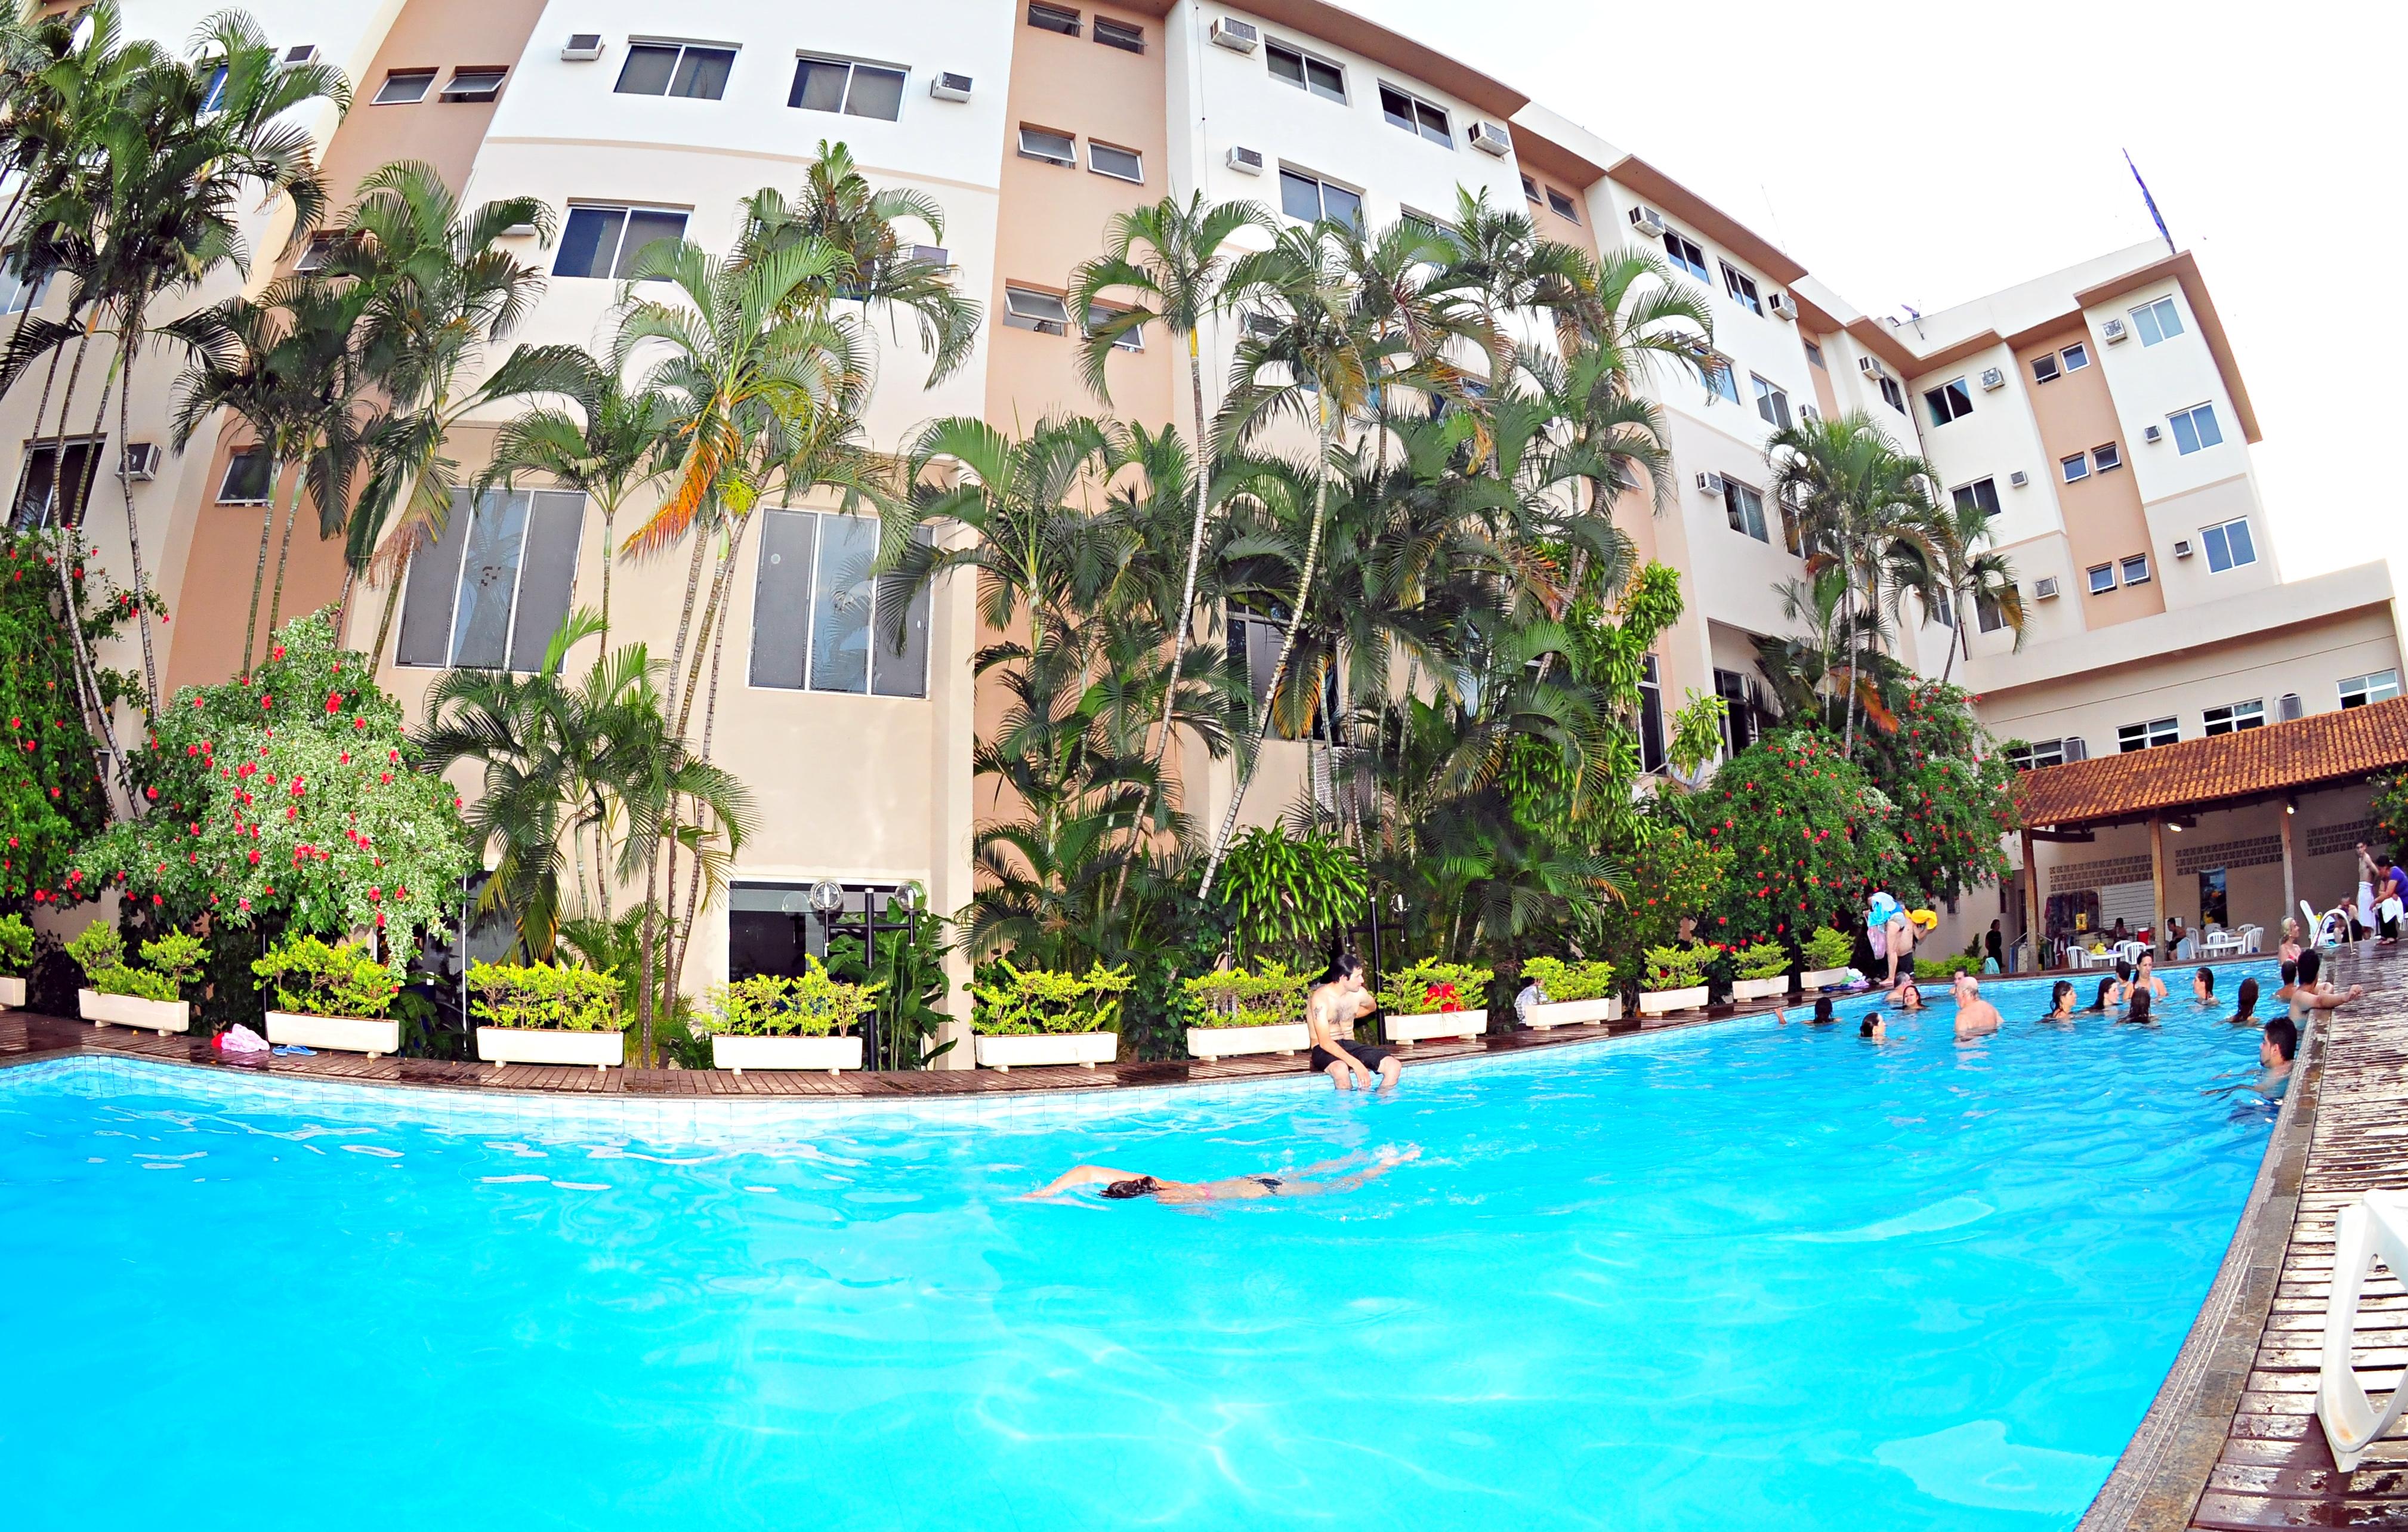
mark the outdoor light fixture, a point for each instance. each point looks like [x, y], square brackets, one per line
[827, 895]
[2291, 805]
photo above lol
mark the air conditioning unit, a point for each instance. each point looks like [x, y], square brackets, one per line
[1710, 483]
[1806, 413]
[584, 47]
[2044, 588]
[1236, 36]
[2114, 330]
[2018, 479]
[2288, 708]
[2150, 433]
[2182, 548]
[1870, 365]
[299, 54]
[1781, 307]
[1244, 161]
[142, 461]
[519, 231]
[1992, 378]
[949, 87]
[1492, 138]
[1648, 222]
[2076, 749]
[932, 255]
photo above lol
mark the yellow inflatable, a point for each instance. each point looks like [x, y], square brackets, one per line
[1923, 918]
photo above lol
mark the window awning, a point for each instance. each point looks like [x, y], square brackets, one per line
[2318, 751]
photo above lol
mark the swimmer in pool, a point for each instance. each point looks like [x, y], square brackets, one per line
[2312, 993]
[2290, 977]
[1822, 1016]
[2060, 1002]
[2245, 1004]
[2203, 986]
[1908, 995]
[2148, 978]
[2137, 1014]
[1873, 1027]
[2106, 997]
[2276, 1052]
[1120, 1185]
[1975, 1016]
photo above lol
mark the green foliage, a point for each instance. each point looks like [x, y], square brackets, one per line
[98, 948]
[1564, 981]
[1430, 986]
[2389, 809]
[1673, 874]
[1760, 960]
[1288, 894]
[138, 983]
[1013, 1002]
[100, 952]
[1676, 967]
[1951, 787]
[1809, 834]
[313, 978]
[1827, 948]
[50, 798]
[908, 981]
[1945, 968]
[555, 999]
[175, 955]
[16, 946]
[806, 1005]
[1269, 997]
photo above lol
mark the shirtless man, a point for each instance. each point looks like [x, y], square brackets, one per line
[2311, 994]
[1975, 1016]
[1331, 1012]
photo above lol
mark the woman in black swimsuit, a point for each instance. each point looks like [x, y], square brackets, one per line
[1120, 1185]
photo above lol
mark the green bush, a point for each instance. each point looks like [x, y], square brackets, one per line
[1761, 960]
[1936, 970]
[174, 956]
[1269, 997]
[1676, 967]
[1568, 980]
[100, 952]
[1010, 1001]
[1827, 948]
[553, 998]
[97, 949]
[16, 946]
[1432, 987]
[313, 978]
[769, 1005]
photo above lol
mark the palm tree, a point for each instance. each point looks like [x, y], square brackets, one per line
[1958, 575]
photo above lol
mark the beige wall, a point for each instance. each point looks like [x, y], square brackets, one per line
[2103, 521]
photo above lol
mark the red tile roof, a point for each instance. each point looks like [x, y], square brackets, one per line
[2333, 747]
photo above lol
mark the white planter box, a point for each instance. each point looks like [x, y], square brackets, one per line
[12, 994]
[345, 1033]
[739, 1054]
[160, 1016]
[1220, 1042]
[1573, 1012]
[1466, 1024]
[1760, 989]
[1084, 1049]
[499, 1045]
[1816, 979]
[1656, 1002]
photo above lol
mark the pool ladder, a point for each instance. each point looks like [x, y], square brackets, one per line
[2371, 1230]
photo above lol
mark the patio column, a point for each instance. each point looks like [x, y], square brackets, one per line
[2157, 879]
[2290, 889]
[2033, 932]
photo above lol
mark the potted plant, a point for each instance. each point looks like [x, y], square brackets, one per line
[16, 960]
[1576, 993]
[330, 997]
[1033, 1016]
[1827, 951]
[539, 1014]
[786, 1020]
[130, 996]
[1235, 1012]
[1676, 980]
[1759, 971]
[1433, 999]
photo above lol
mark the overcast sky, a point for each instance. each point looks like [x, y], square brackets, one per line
[1907, 151]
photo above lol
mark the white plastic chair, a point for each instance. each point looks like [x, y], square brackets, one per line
[2130, 951]
[2373, 1230]
[2253, 938]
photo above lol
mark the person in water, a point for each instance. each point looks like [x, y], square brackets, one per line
[1908, 995]
[2290, 979]
[2060, 1002]
[1121, 1186]
[1975, 1016]
[2148, 978]
[2106, 995]
[2277, 1049]
[2312, 993]
[1330, 1013]
[2245, 1004]
[2203, 986]
[1822, 1016]
[2289, 951]
[1873, 1027]
[2137, 1013]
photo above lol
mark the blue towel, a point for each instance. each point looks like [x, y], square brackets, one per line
[296, 1050]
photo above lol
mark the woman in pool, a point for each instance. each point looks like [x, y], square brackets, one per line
[2246, 1003]
[2289, 951]
[1120, 1185]
[2137, 1014]
[1872, 1027]
[1907, 996]
[1822, 1016]
[2060, 1002]
[2203, 986]
[2107, 994]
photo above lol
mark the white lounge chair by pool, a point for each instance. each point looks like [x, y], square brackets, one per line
[2375, 1229]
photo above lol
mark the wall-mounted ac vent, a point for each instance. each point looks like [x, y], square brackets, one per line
[1492, 138]
[1783, 307]
[2182, 548]
[1244, 161]
[2150, 433]
[2018, 479]
[1236, 36]
[2076, 750]
[584, 47]
[1992, 378]
[300, 54]
[2288, 708]
[2114, 330]
[1710, 483]
[1870, 365]
[142, 461]
[1648, 222]
[519, 231]
[2044, 588]
[949, 87]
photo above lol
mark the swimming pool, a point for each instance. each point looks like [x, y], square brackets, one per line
[1740, 1275]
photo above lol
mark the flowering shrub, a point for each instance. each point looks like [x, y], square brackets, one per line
[1676, 967]
[806, 1005]
[1673, 874]
[1760, 960]
[1010, 1001]
[16, 946]
[100, 952]
[1951, 787]
[295, 794]
[1269, 997]
[1433, 987]
[313, 978]
[1808, 833]
[1826, 948]
[1568, 980]
[554, 1000]
[50, 798]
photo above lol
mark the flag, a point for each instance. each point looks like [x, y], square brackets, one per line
[2154, 217]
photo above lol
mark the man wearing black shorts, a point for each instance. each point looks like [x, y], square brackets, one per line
[1330, 1013]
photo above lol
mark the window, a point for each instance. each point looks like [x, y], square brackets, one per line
[1940, 612]
[402, 87]
[2159, 321]
[490, 591]
[1988, 612]
[819, 621]
[1530, 189]
[1651, 715]
[2044, 367]
[2136, 570]
[2157, 732]
[2077, 356]
[1047, 144]
[2228, 545]
[250, 475]
[17, 294]
[1025, 309]
[1563, 205]
[1814, 355]
[680, 69]
[318, 251]
[601, 241]
[1771, 403]
[213, 94]
[2077, 467]
[2240, 716]
[479, 84]
[1721, 381]
[2102, 579]
[1414, 115]
[35, 506]
[1120, 34]
[2039, 753]
[1053, 19]
[1744, 507]
[2195, 428]
[1950, 401]
[1683, 253]
[2382, 686]
[1119, 163]
[1981, 495]
[1740, 715]
[1309, 197]
[1305, 72]
[1892, 395]
[1741, 288]
[2106, 458]
[840, 85]
[1099, 315]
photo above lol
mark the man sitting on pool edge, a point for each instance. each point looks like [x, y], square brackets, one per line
[1330, 1013]
[1975, 1016]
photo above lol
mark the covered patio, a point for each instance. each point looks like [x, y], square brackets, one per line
[2232, 831]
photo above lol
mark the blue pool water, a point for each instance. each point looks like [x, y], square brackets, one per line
[1744, 1275]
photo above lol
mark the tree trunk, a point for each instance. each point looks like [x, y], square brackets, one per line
[384, 623]
[283, 557]
[1184, 617]
[685, 622]
[1956, 638]
[128, 352]
[712, 612]
[682, 936]
[259, 577]
[87, 678]
[609, 556]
